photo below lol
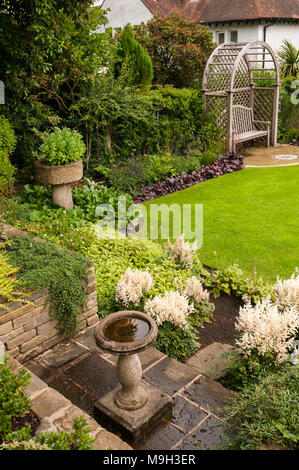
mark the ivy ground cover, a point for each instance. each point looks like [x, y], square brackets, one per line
[250, 217]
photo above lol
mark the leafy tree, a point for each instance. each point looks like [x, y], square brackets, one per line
[108, 107]
[136, 58]
[289, 59]
[47, 52]
[178, 48]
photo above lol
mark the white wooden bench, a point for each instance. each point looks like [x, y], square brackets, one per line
[243, 126]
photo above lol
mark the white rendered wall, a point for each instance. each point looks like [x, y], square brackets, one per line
[125, 11]
[252, 32]
[246, 33]
[278, 32]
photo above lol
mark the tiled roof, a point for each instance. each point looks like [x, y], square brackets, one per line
[207, 11]
[164, 7]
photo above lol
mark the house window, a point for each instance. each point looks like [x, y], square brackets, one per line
[234, 36]
[220, 37]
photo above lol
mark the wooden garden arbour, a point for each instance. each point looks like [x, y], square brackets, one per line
[232, 90]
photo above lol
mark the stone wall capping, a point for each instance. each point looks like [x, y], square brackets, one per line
[57, 411]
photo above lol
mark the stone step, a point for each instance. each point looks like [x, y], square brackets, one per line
[212, 360]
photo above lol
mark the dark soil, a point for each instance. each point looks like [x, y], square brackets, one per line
[221, 329]
[24, 421]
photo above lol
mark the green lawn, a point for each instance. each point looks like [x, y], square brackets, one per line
[250, 217]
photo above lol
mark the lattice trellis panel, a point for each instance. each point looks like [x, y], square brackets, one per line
[263, 104]
[242, 97]
[221, 69]
[217, 106]
[263, 107]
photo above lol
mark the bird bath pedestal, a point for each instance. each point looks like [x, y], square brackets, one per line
[134, 406]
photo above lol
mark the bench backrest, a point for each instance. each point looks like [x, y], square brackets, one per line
[242, 119]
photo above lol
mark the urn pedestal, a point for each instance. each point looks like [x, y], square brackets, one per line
[60, 178]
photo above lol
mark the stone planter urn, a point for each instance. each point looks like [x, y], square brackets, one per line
[60, 178]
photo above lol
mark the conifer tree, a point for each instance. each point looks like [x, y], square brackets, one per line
[133, 55]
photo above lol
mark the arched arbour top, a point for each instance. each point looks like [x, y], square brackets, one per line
[244, 74]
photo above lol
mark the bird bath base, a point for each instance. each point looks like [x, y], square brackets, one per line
[132, 425]
[134, 406]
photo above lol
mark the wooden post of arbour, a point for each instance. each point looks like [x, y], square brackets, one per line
[275, 114]
[229, 137]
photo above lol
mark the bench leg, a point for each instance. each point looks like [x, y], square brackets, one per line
[268, 137]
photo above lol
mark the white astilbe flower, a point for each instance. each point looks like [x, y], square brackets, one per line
[286, 292]
[182, 251]
[265, 328]
[173, 307]
[196, 291]
[132, 286]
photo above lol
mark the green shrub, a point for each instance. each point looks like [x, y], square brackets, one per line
[9, 285]
[288, 117]
[79, 439]
[7, 146]
[7, 136]
[90, 196]
[13, 403]
[61, 147]
[234, 280]
[176, 342]
[266, 412]
[62, 273]
[34, 211]
[243, 372]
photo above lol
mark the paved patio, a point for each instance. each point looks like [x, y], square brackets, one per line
[83, 373]
[261, 156]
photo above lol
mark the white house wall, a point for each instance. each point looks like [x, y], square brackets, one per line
[278, 32]
[275, 34]
[125, 11]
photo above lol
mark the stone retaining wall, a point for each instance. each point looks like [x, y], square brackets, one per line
[26, 328]
[57, 413]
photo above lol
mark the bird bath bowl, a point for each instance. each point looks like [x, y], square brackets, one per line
[126, 334]
[134, 405]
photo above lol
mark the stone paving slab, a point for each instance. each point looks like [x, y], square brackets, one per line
[208, 394]
[208, 436]
[56, 413]
[212, 360]
[87, 339]
[94, 374]
[163, 437]
[186, 415]
[170, 375]
[61, 355]
[43, 372]
[77, 395]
